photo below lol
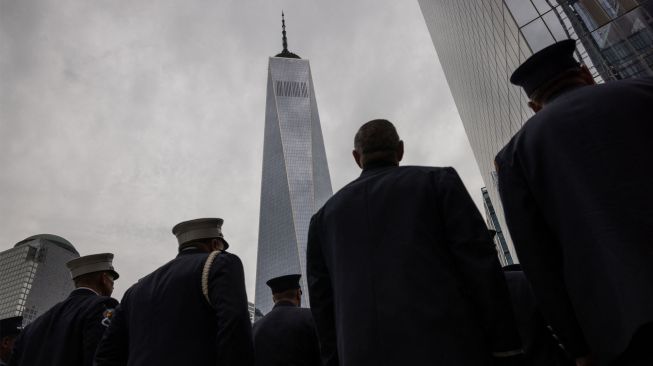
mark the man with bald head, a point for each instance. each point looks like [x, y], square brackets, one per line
[402, 269]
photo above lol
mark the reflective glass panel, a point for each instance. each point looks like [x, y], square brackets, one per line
[537, 35]
[522, 10]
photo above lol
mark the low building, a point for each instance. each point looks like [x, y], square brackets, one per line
[34, 277]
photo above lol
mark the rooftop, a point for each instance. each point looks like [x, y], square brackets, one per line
[54, 239]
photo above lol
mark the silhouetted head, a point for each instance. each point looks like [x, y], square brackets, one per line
[94, 271]
[101, 282]
[286, 288]
[551, 72]
[377, 141]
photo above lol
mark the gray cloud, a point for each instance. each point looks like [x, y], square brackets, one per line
[119, 119]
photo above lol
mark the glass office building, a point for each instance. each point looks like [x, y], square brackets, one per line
[503, 252]
[296, 180]
[34, 276]
[481, 42]
[618, 34]
[254, 313]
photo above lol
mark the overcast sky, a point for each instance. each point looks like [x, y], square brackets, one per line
[119, 119]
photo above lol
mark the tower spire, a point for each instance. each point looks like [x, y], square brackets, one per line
[283, 32]
[285, 53]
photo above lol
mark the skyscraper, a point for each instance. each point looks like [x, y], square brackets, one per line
[618, 34]
[34, 276]
[254, 313]
[296, 180]
[481, 42]
[503, 252]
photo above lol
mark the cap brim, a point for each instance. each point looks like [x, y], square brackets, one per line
[114, 274]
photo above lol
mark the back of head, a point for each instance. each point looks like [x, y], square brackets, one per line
[550, 72]
[378, 140]
[286, 288]
[94, 271]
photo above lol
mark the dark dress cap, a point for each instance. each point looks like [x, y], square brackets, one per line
[283, 283]
[11, 326]
[544, 65]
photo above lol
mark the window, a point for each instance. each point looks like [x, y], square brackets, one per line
[522, 10]
[291, 89]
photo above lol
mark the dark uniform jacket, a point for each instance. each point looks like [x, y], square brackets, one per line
[286, 336]
[164, 318]
[67, 334]
[402, 271]
[576, 184]
[540, 346]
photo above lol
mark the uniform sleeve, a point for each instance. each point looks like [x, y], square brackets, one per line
[94, 327]
[321, 296]
[540, 256]
[476, 260]
[229, 299]
[113, 349]
[316, 359]
[17, 353]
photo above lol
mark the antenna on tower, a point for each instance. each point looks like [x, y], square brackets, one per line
[283, 32]
[285, 52]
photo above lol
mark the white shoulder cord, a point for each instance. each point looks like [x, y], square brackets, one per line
[205, 275]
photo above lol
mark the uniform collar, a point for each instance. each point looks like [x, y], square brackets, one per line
[284, 303]
[562, 92]
[83, 291]
[376, 166]
[189, 250]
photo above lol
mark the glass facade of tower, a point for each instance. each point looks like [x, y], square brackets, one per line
[34, 276]
[618, 34]
[505, 257]
[295, 181]
[481, 42]
[254, 313]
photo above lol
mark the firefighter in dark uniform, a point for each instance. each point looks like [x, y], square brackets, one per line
[541, 346]
[190, 311]
[9, 330]
[68, 333]
[286, 335]
[402, 269]
[575, 183]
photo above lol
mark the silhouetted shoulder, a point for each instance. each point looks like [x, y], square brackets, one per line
[107, 301]
[227, 259]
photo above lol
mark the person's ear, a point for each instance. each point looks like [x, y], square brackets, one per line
[358, 158]
[536, 107]
[586, 74]
[216, 244]
[400, 151]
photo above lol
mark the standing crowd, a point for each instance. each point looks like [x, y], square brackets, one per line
[401, 268]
